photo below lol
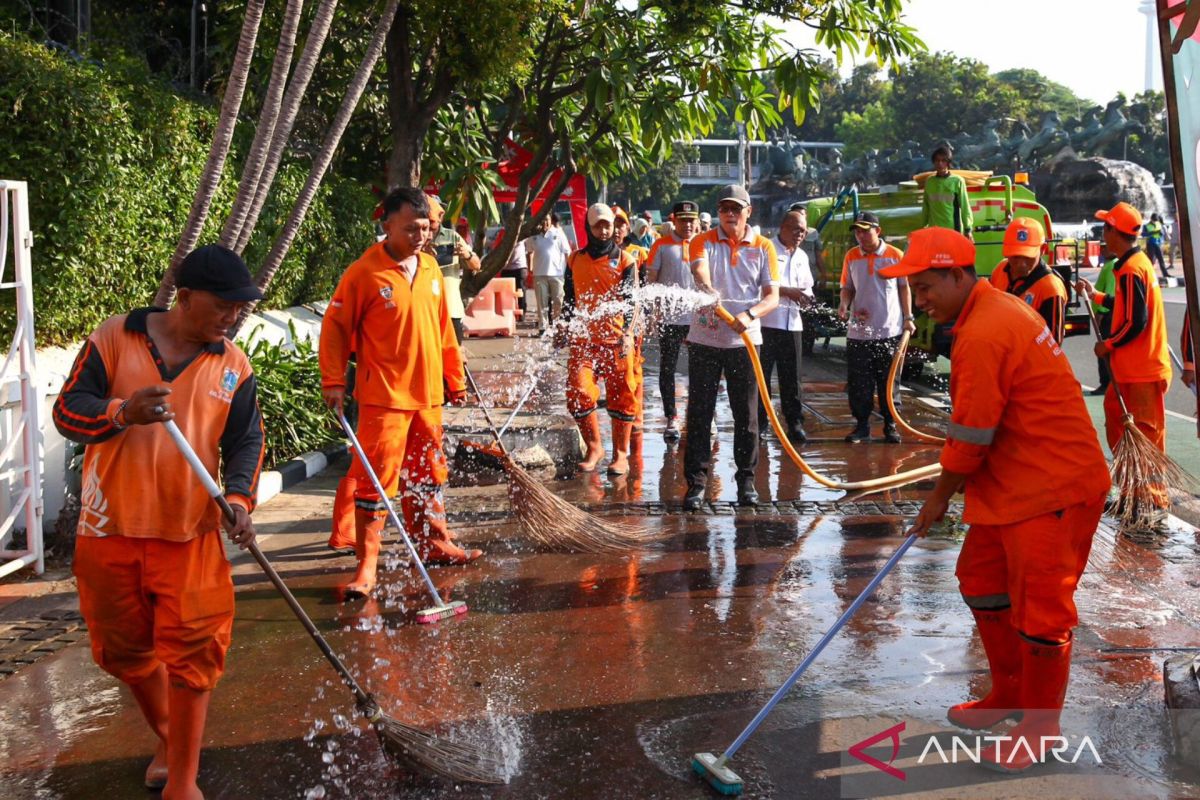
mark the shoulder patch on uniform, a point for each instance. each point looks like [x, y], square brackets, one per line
[435, 286]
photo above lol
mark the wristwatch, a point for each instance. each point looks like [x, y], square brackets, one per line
[908, 318]
[750, 313]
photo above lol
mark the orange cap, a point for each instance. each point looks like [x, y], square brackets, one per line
[436, 212]
[933, 248]
[1123, 217]
[1024, 237]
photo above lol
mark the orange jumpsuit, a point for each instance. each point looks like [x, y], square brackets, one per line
[1042, 289]
[641, 257]
[1036, 477]
[1139, 359]
[154, 584]
[595, 354]
[406, 350]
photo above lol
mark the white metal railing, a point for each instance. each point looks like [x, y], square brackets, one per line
[708, 170]
[20, 396]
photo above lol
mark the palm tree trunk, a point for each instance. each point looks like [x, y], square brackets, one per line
[324, 157]
[211, 176]
[267, 118]
[301, 76]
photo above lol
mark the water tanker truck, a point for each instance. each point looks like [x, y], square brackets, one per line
[995, 201]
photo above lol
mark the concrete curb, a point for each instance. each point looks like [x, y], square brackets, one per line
[297, 470]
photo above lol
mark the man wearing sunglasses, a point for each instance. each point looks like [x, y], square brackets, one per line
[739, 267]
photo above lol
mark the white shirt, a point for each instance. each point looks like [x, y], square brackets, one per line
[739, 280]
[794, 273]
[517, 259]
[670, 263]
[548, 252]
[875, 312]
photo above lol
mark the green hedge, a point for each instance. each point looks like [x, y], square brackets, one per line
[112, 157]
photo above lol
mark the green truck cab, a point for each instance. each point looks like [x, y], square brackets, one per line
[994, 204]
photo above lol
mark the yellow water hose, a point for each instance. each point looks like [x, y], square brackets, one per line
[897, 360]
[888, 482]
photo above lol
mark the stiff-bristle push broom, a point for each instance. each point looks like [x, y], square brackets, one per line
[440, 609]
[412, 747]
[716, 769]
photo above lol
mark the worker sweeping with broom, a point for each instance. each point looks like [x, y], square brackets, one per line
[390, 307]
[154, 583]
[1021, 445]
[1138, 356]
[604, 348]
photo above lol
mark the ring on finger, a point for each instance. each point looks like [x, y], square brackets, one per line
[159, 410]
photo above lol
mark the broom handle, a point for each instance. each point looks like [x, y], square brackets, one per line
[486, 413]
[816, 651]
[520, 403]
[387, 503]
[1096, 329]
[214, 491]
[1178, 363]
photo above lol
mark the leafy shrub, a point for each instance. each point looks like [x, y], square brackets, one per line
[289, 393]
[112, 157]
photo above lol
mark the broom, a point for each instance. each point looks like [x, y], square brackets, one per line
[440, 609]
[716, 769]
[549, 519]
[1141, 473]
[412, 747]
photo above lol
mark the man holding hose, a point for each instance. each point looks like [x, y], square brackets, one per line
[1021, 445]
[154, 583]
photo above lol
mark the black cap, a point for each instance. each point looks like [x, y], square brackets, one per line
[735, 192]
[219, 270]
[864, 220]
[686, 209]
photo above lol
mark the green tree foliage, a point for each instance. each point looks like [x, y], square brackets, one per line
[866, 131]
[658, 186]
[937, 96]
[295, 419]
[610, 87]
[112, 157]
[1039, 94]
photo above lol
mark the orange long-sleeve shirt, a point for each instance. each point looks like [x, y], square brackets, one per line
[1139, 328]
[401, 334]
[1019, 429]
[1042, 289]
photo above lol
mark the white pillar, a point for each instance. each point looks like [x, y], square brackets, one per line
[1148, 7]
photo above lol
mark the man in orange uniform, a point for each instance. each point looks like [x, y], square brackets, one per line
[1137, 350]
[154, 583]
[1021, 444]
[641, 257]
[390, 307]
[1023, 274]
[602, 346]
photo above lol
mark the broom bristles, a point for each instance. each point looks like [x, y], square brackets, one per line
[421, 751]
[1144, 477]
[554, 522]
